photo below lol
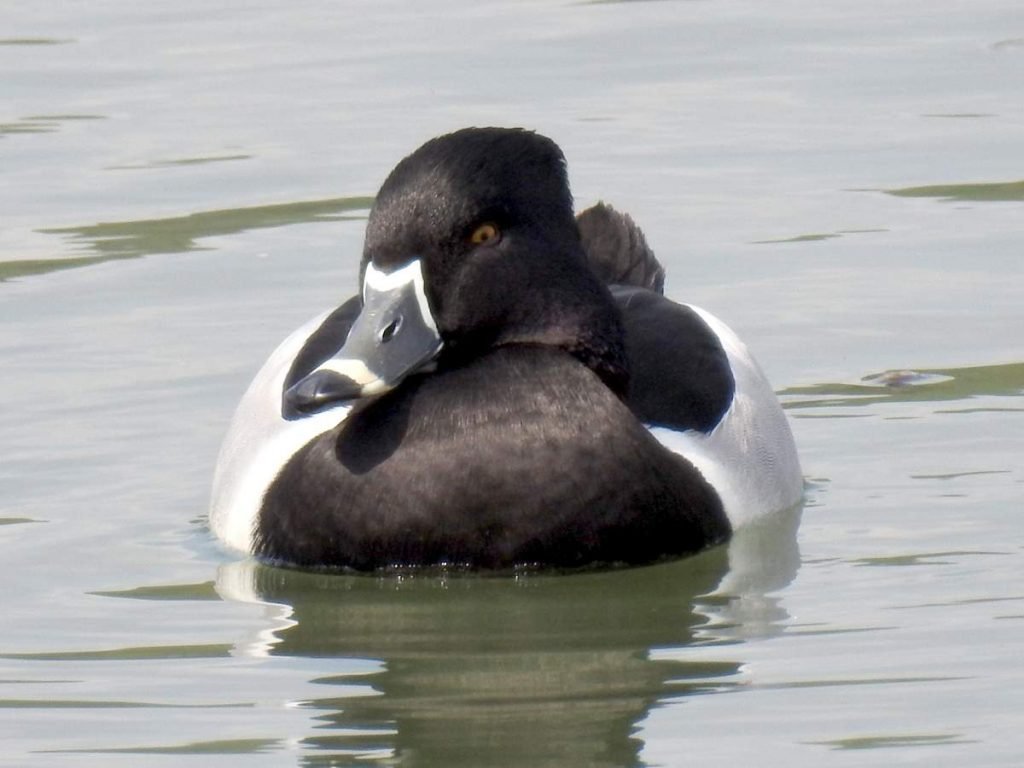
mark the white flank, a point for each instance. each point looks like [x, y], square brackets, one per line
[260, 442]
[750, 457]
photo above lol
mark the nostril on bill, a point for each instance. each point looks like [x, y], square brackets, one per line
[390, 330]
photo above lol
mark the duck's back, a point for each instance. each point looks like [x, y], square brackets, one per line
[692, 380]
[702, 394]
[525, 456]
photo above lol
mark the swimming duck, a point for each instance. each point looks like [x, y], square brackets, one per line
[510, 387]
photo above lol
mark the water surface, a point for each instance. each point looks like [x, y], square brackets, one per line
[184, 185]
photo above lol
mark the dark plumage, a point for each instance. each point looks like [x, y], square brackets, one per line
[617, 250]
[505, 360]
[523, 456]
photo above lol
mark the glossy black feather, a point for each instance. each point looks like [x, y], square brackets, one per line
[525, 456]
[617, 250]
[525, 441]
[679, 374]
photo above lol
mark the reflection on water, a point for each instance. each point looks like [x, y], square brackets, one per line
[42, 123]
[763, 560]
[817, 236]
[901, 740]
[182, 161]
[199, 591]
[534, 670]
[27, 267]
[34, 41]
[921, 385]
[994, 192]
[178, 234]
[958, 115]
[126, 239]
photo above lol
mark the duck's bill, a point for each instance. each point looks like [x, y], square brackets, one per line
[393, 336]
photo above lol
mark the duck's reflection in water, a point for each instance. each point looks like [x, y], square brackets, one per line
[538, 670]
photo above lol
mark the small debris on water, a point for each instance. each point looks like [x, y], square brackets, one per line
[904, 378]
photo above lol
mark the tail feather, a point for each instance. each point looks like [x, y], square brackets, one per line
[617, 250]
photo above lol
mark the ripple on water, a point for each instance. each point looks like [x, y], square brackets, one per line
[909, 385]
[1004, 191]
[110, 241]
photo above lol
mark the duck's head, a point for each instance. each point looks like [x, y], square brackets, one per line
[471, 244]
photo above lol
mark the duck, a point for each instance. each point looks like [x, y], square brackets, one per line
[510, 388]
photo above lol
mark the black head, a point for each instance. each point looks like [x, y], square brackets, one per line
[434, 199]
[489, 212]
[476, 230]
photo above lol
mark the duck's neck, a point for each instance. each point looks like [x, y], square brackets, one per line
[582, 321]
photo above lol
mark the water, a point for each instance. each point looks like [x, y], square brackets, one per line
[182, 185]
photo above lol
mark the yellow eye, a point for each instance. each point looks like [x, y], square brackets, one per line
[484, 234]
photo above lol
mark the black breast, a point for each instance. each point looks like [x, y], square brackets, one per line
[524, 456]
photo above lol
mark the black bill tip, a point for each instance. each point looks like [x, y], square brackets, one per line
[319, 390]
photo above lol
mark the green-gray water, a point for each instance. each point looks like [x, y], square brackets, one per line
[184, 184]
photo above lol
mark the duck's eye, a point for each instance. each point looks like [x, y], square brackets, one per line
[485, 234]
[388, 332]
